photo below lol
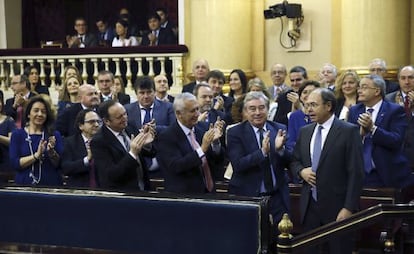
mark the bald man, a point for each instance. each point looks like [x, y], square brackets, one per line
[200, 72]
[89, 99]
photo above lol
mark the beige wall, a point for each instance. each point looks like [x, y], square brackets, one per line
[13, 22]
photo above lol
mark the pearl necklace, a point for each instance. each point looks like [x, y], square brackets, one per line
[35, 180]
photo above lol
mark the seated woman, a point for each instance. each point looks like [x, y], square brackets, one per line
[119, 87]
[69, 93]
[35, 85]
[7, 125]
[346, 93]
[122, 38]
[35, 150]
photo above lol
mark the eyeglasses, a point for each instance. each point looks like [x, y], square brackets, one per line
[16, 82]
[94, 121]
[312, 105]
[376, 70]
[253, 109]
[363, 88]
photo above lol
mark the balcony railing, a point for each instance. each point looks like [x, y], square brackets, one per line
[128, 62]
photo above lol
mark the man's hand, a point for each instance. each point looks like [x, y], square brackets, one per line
[280, 139]
[219, 103]
[308, 176]
[365, 121]
[266, 143]
[208, 138]
[203, 116]
[19, 100]
[218, 128]
[343, 214]
[294, 98]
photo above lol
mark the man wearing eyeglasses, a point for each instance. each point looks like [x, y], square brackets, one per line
[15, 106]
[378, 67]
[77, 159]
[328, 158]
[382, 127]
[82, 39]
[106, 88]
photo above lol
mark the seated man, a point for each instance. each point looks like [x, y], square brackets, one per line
[77, 159]
[82, 39]
[157, 34]
[106, 84]
[105, 32]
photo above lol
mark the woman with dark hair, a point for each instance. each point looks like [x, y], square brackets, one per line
[35, 150]
[238, 84]
[7, 125]
[35, 85]
[122, 38]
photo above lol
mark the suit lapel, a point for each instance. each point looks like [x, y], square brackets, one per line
[330, 139]
[112, 139]
[381, 113]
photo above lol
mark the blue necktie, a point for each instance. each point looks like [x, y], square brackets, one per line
[368, 149]
[147, 117]
[268, 180]
[317, 149]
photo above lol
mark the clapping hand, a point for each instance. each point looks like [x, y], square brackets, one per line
[218, 128]
[280, 139]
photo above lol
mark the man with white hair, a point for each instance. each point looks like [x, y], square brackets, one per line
[378, 67]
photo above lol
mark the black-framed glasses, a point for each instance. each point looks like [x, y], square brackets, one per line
[94, 121]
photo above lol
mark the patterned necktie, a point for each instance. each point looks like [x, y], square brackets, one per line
[407, 105]
[317, 149]
[208, 180]
[92, 175]
[19, 117]
[267, 177]
[125, 140]
[368, 148]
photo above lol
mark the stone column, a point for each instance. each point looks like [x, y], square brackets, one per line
[368, 29]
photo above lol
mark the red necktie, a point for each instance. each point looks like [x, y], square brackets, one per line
[92, 177]
[206, 169]
[407, 105]
[19, 117]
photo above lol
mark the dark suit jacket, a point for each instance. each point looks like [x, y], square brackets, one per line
[90, 41]
[283, 108]
[189, 88]
[65, 123]
[72, 161]
[391, 86]
[340, 171]
[41, 89]
[115, 167]
[162, 112]
[122, 98]
[248, 161]
[387, 142]
[10, 111]
[165, 37]
[180, 162]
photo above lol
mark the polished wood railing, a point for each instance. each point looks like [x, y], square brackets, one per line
[383, 213]
[128, 62]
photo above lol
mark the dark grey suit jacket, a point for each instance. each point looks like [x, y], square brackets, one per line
[340, 171]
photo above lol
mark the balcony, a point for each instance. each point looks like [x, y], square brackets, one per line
[128, 62]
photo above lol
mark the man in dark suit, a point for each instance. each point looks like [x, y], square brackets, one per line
[15, 106]
[89, 99]
[328, 158]
[161, 89]
[378, 67]
[82, 39]
[77, 160]
[185, 150]
[200, 72]
[278, 75]
[382, 126]
[157, 35]
[209, 115]
[288, 101]
[105, 33]
[166, 23]
[118, 163]
[405, 98]
[106, 88]
[255, 149]
[147, 107]
[216, 80]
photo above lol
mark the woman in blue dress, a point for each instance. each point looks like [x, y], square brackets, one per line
[7, 125]
[35, 150]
